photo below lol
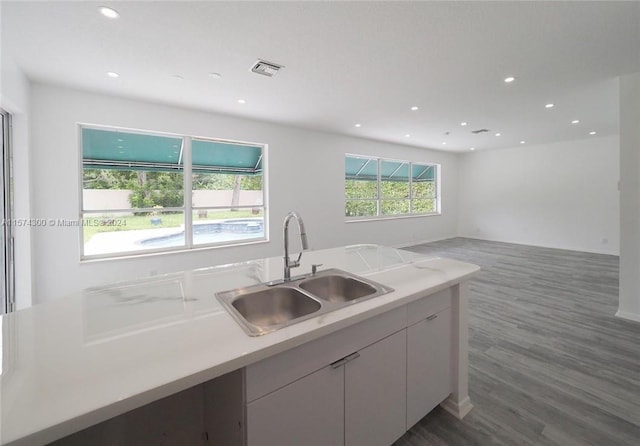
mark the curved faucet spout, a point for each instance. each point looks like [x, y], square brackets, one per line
[288, 263]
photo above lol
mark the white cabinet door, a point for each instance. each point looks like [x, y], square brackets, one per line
[309, 412]
[375, 393]
[428, 365]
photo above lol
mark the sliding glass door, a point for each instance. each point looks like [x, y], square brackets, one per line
[6, 238]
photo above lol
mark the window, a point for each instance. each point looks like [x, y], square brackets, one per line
[151, 192]
[376, 187]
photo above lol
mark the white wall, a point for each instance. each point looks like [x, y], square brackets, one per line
[563, 195]
[14, 98]
[629, 305]
[306, 173]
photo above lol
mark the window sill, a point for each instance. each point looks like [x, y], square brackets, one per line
[390, 217]
[180, 250]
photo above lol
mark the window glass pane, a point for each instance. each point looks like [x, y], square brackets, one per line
[111, 189]
[423, 172]
[361, 178]
[360, 168]
[133, 151]
[226, 174]
[424, 189]
[394, 207]
[230, 225]
[360, 189]
[394, 170]
[226, 190]
[131, 170]
[424, 181]
[361, 208]
[223, 157]
[394, 179]
[424, 206]
[109, 233]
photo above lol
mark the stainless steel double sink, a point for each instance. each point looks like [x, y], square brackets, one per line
[264, 308]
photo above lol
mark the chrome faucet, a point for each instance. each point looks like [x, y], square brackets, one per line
[288, 263]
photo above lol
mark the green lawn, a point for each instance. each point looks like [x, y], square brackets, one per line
[106, 223]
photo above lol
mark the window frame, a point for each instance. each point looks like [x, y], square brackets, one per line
[379, 199]
[187, 207]
[7, 262]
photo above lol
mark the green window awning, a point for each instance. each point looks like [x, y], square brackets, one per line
[366, 169]
[114, 149]
[213, 156]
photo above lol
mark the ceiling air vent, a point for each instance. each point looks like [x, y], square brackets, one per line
[477, 132]
[266, 68]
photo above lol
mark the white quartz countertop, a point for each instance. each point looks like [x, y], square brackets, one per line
[80, 360]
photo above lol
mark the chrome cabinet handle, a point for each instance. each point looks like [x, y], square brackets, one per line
[432, 317]
[343, 361]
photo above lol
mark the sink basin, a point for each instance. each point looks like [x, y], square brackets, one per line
[337, 288]
[267, 307]
[274, 306]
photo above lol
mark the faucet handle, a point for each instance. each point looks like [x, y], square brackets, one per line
[314, 268]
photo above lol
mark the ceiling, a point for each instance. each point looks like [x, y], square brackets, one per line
[349, 63]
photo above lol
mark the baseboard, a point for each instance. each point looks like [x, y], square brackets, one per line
[458, 410]
[629, 316]
[420, 242]
[574, 249]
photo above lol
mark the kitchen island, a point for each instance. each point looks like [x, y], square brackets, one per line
[160, 360]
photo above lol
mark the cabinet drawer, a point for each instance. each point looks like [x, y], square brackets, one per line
[429, 305]
[279, 370]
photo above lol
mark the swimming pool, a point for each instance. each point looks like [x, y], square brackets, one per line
[215, 231]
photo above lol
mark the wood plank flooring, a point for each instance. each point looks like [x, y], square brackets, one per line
[549, 363]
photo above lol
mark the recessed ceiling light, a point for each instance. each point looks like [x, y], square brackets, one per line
[414, 108]
[109, 12]
[472, 148]
[498, 134]
[444, 143]
[215, 75]
[509, 79]
[592, 133]
[407, 135]
[358, 125]
[113, 74]
[575, 121]
[549, 105]
[463, 123]
[522, 142]
[241, 101]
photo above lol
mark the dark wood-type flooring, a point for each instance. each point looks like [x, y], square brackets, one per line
[549, 363]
